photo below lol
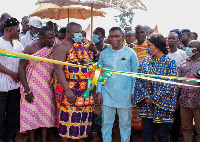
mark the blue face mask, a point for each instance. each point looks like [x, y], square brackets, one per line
[95, 38]
[77, 37]
[35, 35]
[189, 52]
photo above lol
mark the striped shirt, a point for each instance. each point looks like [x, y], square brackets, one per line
[141, 51]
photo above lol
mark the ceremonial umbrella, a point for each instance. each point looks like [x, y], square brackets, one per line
[122, 5]
[63, 12]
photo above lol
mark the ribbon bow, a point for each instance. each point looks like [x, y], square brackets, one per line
[95, 74]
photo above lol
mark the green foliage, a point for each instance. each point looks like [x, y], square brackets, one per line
[125, 18]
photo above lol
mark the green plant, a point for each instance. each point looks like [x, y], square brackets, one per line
[125, 18]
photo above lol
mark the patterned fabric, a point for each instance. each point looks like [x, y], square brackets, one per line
[78, 84]
[141, 54]
[141, 51]
[85, 41]
[189, 95]
[75, 122]
[42, 112]
[162, 95]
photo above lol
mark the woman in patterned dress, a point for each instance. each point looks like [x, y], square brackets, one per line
[156, 100]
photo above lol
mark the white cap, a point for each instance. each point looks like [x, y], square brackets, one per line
[35, 23]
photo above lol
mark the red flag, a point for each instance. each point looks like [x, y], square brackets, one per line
[156, 29]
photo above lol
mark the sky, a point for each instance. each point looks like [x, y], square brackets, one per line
[166, 14]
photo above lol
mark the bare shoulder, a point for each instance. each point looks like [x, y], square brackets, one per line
[61, 49]
[31, 48]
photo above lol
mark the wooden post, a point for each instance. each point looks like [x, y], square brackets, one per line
[91, 21]
[68, 15]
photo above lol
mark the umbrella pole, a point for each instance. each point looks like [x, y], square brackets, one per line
[91, 21]
[68, 15]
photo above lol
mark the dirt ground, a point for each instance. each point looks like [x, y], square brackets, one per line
[137, 137]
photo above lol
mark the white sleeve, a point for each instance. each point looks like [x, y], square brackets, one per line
[183, 55]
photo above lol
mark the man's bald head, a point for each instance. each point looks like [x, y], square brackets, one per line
[71, 25]
[195, 43]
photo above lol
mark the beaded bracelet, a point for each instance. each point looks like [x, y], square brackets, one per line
[29, 92]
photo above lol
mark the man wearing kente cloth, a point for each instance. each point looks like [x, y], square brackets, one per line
[75, 112]
[140, 49]
[38, 105]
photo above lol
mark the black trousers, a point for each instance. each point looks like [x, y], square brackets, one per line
[176, 126]
[9, 114]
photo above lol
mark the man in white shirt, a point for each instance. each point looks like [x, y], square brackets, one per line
[179, 56]
[176, 54]
[9, 82]
[35, 25]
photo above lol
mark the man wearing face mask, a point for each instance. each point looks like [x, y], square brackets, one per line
[156, 100]
[98, 39]
[75, 112]
[188, 97]
[35, 25]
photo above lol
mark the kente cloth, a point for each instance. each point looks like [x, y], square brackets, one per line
[82, 109]
[141, 54]
[85, 41]
[75, 122]
[141, 51]
[162, 95]
[42, 112]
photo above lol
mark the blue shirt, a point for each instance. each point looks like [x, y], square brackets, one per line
[117, 90]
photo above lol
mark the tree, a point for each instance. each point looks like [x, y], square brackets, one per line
[125, 18]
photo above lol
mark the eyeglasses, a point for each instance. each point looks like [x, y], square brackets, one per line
[17, 30]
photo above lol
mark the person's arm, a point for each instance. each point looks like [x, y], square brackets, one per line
[180, 73]
[22, 74]
[164, 96]
[99, 98]
[59, 54]
[142, 86]
[13, 75]
[134, 68]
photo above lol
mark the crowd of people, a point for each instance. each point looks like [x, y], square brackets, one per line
[43, 95]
